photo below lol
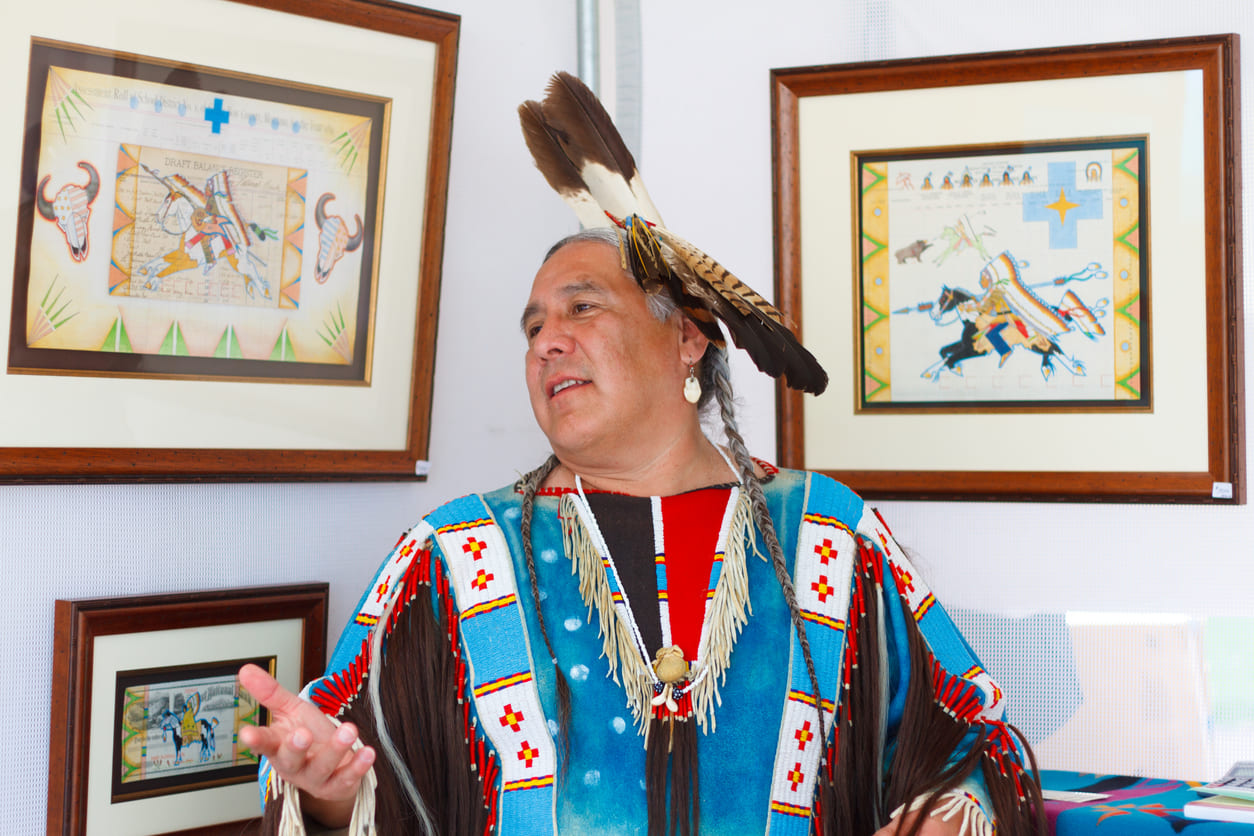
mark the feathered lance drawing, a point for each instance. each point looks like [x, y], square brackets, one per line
[210, 229]
[65, 101]
[49, 317]
[581, 155]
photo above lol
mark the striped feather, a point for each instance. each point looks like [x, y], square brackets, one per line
[755, 325]
[597, 149]
[744, 298]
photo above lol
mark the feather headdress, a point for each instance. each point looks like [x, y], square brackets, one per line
[581, 155]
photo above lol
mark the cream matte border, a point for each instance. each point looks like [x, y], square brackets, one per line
[1165, 106]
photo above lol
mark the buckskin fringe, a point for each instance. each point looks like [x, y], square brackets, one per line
[619, 646]
[974, 821]
[940, 712]
[726, 616]
[422, 688]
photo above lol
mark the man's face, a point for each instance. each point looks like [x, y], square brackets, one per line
[604, 375]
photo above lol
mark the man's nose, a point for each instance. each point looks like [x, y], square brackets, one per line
[553, 339]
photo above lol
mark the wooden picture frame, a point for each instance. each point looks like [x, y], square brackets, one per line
[1185, 443]
[184, 648]
[226, 341]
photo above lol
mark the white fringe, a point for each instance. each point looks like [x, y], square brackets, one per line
[619, 646]
[975, 822]
[726, 615]
[292, 820]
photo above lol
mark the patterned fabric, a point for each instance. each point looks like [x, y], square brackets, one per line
[764, 735]
[1133, 807]
[497, 650]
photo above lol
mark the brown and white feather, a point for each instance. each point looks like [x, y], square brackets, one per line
[558, 169]
[583, 157]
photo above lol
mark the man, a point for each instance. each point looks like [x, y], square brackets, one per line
[763, 657]
[606, 378]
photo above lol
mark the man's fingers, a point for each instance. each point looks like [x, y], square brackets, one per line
[344, 781]
[287, 710]
[257, 739]
[322, 760]
[302, 744]
[333, 761]
[350, 777]
[263, 740]
[267, 690]
[290, 756]
[327, 768]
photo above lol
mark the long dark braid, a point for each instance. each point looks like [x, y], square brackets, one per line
[530, 484]
[717, 372]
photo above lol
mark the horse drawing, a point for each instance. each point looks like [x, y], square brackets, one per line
[199, 731]
[1008, 315]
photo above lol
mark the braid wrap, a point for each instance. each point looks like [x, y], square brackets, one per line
[530, 484]
[719, 374]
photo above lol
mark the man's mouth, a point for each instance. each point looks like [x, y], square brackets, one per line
[565, 384]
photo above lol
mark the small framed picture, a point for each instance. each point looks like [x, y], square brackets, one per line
[147, 707]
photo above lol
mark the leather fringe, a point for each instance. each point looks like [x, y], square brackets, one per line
[422, 685]
[728, 612]
[855, 802]
[974, 821]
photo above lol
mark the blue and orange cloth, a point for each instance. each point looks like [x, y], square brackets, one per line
[1134, 807]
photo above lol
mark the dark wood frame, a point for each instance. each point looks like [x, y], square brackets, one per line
[1218, 58]
[108, 464]
[79, 622]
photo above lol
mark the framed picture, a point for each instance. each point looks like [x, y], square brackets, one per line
[199, 239]
[208, 258]
[1022, 271]
[184, 705]
[146, 708]
[1016, 334]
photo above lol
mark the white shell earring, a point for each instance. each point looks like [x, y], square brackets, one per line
[692, 386]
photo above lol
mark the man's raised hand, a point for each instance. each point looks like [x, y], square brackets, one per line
[308, 750]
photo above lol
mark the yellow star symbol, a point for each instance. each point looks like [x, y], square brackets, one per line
[1061, 205]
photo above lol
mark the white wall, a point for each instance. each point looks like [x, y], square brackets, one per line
[706, 154]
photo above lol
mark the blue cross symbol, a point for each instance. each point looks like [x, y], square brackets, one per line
[1062, 205]
[217, 116]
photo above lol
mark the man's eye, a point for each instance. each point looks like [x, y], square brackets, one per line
[532, 330]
